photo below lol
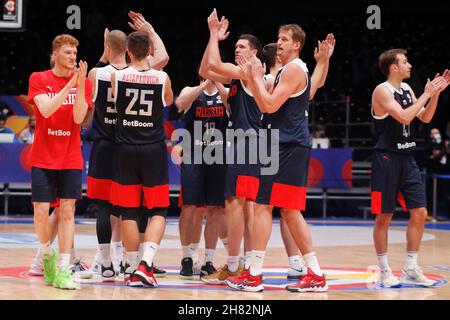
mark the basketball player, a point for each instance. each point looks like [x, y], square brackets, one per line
[141, 167]
[204, 106]
[60, 98]
[273, 64]
[102, 154]
[287, 106]
[241, 179]
[76, 265]
[395, 172]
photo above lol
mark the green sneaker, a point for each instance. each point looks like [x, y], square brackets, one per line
[50, 266]
[63, 280]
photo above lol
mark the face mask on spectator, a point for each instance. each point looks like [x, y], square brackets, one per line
[437, 137]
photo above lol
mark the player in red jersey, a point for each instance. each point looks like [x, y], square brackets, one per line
[60, 99]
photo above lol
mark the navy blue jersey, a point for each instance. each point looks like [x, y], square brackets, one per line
[292, 118]
[245, 113]
[391, 135]
[139, 100]
[210, 112]
[105, 114]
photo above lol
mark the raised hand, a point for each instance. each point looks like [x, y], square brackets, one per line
[139, 23]
[223, 27]
[258, 68]
[246, 66]
[331, 43]
[213, 21]
[433, 87]
[105, 34]
[446, 82]
[81, 72]
[321, 52]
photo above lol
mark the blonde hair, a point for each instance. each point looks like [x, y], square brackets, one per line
[298, 35]
[63, 39]
[117, 41]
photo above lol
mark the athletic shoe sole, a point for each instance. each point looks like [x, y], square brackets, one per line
[311, 289]
[147, 282]
[240, 287]
[381, 285]
[423, 285]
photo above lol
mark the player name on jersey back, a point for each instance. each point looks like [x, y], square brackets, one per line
[139, 102]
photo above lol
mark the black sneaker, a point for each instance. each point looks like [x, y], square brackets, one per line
[108, 273]
[187, 268]
[207, 269]
[159, 273]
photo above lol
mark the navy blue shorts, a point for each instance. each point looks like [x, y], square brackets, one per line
[47, 185]
[141, 176]
[396, 177]
[101, 169]
[286, 188]
[202, 184]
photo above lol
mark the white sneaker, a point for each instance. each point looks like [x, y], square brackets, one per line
[116, 265]
[197, 269]
[295, 274]
[36, 268]
[96, 267]
[388, 280]
[416, 276]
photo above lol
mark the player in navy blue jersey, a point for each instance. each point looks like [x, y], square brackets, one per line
[242, 179]
[141, 167]
[395, 174]
[273, 64]
[205, 113]
[287, 106]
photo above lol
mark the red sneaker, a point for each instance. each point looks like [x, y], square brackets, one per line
[133, 281]
[145, 274]
[310, 282]
[246, 282]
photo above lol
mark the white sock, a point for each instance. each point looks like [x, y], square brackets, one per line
[256, 266]
[72, 256]
[97, 255]
[149, 252]
[186, 252]
[63, 260]
[233, 263]
[295, 262]
[45, 249]
[247, 259]
[193, 247]
[141, 251]
[312, 263]
[411, 260]
[225, 243]
[132, 260]
[105, 254]
[209, 255]
[383, 261]
[116, 250]
[37, 257]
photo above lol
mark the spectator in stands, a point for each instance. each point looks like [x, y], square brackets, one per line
[3, 128]
[319, 138]
[27, 134]
[438, 162]
[7, 134]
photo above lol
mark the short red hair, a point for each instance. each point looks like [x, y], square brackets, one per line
[63, 39]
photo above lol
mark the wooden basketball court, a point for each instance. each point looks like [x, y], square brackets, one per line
[343, 247]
